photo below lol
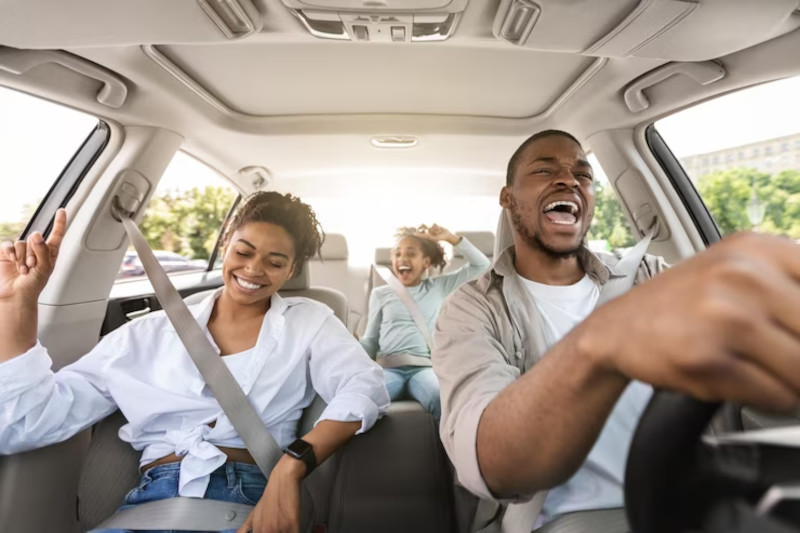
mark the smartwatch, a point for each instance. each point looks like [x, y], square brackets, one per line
[302, 451]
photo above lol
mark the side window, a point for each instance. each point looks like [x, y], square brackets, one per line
[742, 152]
[609, 230]
[183, 220]
[37, 141]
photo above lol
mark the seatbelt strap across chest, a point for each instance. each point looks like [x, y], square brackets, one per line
[408, 302]
[192, 513]
[226, 389]
[520, 517]
[628, 266]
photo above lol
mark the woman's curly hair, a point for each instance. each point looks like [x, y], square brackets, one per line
[431, 250]
[286, 211]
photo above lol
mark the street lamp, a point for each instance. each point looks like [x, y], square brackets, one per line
[755, 209]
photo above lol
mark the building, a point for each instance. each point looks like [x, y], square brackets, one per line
[771, 155]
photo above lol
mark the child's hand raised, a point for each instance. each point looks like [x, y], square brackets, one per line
[437, 233]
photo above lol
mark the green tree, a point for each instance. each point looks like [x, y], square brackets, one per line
[727, 194]
[609, 221]
[187, 222]
[11, 231]
[207, 211]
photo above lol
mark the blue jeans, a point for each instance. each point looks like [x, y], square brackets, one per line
[232, 482]
[421, 385]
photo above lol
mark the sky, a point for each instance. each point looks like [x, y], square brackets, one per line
[38, 138]
[759, 113]
[50, 134]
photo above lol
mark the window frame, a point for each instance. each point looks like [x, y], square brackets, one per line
[683, 186]
[68, 181]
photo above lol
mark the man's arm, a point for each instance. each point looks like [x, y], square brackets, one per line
[538, 431]
[509, 436]
[724, 325]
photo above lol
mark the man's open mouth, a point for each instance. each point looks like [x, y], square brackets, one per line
[563, 212]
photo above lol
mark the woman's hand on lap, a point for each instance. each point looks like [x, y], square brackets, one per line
[278, 510]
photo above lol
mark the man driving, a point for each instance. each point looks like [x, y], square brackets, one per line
[540, 391]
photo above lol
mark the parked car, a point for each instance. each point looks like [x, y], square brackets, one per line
[169, 261]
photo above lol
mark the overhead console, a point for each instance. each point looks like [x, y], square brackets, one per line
[389, 21]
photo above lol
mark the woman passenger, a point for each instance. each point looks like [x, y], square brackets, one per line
[280, 350]
[391, 334]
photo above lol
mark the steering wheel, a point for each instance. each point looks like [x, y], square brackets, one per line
[676, 482]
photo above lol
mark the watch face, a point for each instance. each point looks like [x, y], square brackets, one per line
[299, 447]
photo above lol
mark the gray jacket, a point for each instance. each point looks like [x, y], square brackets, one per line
[487, 335]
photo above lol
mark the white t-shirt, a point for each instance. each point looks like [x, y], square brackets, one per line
[563, 306]
[598, 483]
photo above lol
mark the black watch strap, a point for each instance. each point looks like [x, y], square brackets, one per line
[302, 450]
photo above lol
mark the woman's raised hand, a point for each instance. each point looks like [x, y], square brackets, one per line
[25, 266]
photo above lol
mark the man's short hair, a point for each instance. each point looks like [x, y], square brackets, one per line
[514, 161]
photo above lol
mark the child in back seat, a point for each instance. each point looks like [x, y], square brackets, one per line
[282, 351]
[391, 335]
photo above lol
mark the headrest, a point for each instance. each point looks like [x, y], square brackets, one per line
[299, 282]
[334, 248]
[504, 235]
[483, 241]
[383, 256]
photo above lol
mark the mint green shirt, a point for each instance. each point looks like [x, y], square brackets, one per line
[390, 328]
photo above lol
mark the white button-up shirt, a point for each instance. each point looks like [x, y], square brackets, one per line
[144, 370]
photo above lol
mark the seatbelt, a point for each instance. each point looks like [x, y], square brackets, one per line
[520, 517]
[629, 266]
[228, 393]
[408, 301]
[178, 514]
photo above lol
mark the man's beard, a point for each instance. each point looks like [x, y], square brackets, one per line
[533, 240]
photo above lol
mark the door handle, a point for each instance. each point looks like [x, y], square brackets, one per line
[703, 73]
[112, 94]
[137, 313]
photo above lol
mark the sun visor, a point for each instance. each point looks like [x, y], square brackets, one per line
[676, 30]
[39, 24]
[673, 30]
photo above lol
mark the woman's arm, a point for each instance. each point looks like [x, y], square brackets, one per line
[38, 407]
[25, 268]
[355, 391]
[279, 507]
